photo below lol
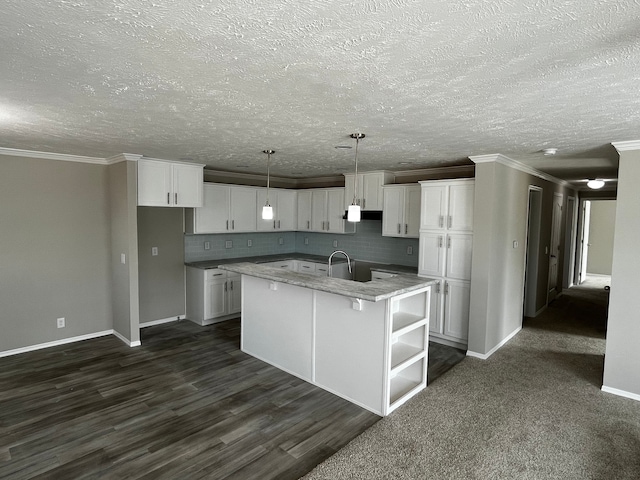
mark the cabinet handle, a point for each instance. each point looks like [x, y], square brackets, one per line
[441, 221]
[439, 241]
[450, 221]
[448, 242]
[231, 284]
[168, 198]
[327, 226]
[225, 286]
[308, 224]
[406, 228]
[176, 198]
[233, 224]
[398, 228]
[274, 224]
[227, 224]
[446, 288]
[364, 202]
[438, 287]
[278, 223]
[217, 274]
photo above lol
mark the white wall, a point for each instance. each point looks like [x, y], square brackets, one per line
[622, 357]
[602, 227]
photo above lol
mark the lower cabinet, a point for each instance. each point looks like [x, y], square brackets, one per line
[213, 295]
[450, 312]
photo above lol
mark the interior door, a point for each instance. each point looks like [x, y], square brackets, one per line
[586, 220]
[554, 247]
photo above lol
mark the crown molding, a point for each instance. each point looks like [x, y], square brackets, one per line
[15, 152]
[123, 157]
[455, 171]
[626, 146]
[509, 162]
[223, 176]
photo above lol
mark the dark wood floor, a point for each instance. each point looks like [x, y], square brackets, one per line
[186, 404]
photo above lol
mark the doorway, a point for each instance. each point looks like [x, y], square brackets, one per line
[569, 263]
[554, 247]
[532, 257]
[598, 225]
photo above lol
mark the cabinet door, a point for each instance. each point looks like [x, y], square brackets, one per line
[432, 254]
[319, 210]
[460, 215]
[213, 216]
[372, 196]
[287, 213]
[335, 211]
[349, 189]
[412, 197]
[304, 210]
[242, 216]
[234, 287]
[435, 315]
[459, 250]
[154, 183]
[432, 207]
[215, 299]
[187, 185]
[456, 309]
[392, 212]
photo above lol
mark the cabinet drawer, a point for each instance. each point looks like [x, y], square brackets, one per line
[214, 273]
[307, 267]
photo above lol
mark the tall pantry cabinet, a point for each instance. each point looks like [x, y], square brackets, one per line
[446, 243]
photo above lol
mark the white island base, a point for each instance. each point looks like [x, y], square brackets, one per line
[373, 354]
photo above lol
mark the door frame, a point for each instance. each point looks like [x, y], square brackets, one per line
[570, 242]
[556, 228]
[532, 251]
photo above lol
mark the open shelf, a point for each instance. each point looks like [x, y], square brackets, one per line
[405, 322]
[403, 355]
[407, 381]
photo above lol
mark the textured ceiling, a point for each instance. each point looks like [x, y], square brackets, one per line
[430, 82]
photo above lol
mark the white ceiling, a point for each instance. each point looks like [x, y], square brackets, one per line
[430, 82]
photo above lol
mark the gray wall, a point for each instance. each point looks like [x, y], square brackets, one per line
[602, 227]
[622, 357]
[497, 273]
[161, 277]
[124, 240]
[54, 250]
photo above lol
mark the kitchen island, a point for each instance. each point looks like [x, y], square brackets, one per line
[366, 342]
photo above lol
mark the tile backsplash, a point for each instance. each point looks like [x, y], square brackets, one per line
[366, 244]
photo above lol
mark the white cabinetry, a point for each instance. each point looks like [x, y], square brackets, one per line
[169, 184]
[401, 211]
[285, 210]
[226, 209]
[369, 186]
[327, 211]
[213, 295]
[446, 245]
[304, 210]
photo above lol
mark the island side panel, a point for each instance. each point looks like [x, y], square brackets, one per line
[277, 325]
[350, 349]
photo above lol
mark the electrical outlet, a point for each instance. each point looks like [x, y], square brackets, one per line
[207, 245]
[228, 244]
[306, 241]
[249, 243]
[335, 244]
[123, 258]
[515, 244]
[60, 322]
[409, 250]
[154, 251]
[281, 241]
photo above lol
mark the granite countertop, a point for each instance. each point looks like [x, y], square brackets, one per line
[372, 291]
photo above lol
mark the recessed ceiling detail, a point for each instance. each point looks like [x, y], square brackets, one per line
[431, 83]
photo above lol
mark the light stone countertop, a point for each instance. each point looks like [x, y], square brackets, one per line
[373, 291]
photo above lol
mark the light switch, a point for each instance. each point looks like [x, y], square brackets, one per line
[515, 244]
[409, 250]
[154, 251]
[123, 258]
[249, 243]
[228, 244]
[207, 245]
[335, 244]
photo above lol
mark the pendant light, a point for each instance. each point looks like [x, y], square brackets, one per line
[267, 210]
[353, 213]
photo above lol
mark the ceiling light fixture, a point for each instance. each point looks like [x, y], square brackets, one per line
[267, 210]
[550, 151]
[595, 184]
[353, 213]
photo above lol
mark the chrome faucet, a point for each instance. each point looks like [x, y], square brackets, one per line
[331, 256]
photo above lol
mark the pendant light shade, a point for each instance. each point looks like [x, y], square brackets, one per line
[353, 212]
[267, 210]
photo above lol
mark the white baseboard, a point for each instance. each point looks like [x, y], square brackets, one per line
[162, 320]
[484, 356]
[55, 343]
[621, 393]
[126, 340]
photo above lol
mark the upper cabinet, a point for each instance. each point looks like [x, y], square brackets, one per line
[285, 210]
[304, 210]
[327, 211]
[226, 209]
[169, 184]
[401, 211]
[447, 205]
[369, 189]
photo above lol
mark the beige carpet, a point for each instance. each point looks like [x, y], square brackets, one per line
[533, 410]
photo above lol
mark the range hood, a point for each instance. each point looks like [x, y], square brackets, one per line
[367, 215]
